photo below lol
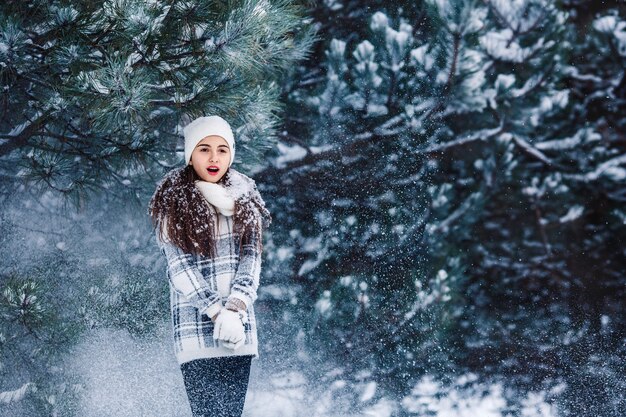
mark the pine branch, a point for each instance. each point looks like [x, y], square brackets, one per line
[285, 136]
[599, 170]
[481, 135]
[456, 45]
[444, 225]
[363, 139]
[536, 153]
[22, 138]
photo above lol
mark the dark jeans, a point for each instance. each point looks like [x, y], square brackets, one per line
[216, 387]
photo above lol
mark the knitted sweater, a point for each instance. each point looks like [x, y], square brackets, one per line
[200, 286]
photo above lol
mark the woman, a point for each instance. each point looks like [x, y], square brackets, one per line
[209, 219]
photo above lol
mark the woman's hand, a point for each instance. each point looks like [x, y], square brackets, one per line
[229, 329]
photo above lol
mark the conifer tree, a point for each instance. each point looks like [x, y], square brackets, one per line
[465, 141]
[93, 98]
[94, 92]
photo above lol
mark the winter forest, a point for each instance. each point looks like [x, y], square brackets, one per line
[446, 181]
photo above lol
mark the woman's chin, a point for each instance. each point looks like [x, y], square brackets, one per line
[212, 177]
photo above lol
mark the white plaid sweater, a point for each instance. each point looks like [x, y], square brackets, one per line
[200, 286]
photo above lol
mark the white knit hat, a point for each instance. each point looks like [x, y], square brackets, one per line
[202, 127]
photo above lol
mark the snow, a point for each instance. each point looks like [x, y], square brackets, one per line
[616, 174]
[379, 21]
[289, 153]
[605, 24]
[275, 292]
[125, 376]
[99, 87]
[504, 81]
[609, 168]
[284, 252]
[530, 83]
[519, 14]
[383, 408]
[573, 213]
[421, 56]
[500, 45]
[376, 110]
[133, 59]
[314, 246]
[368, 392]
[337, 48]
[476, 20]
[267, 403]
[397, 43]
[364, 51]
[16, 395]
[442, 77]
[535, 405]
[468, 398]
[583, 135]
[620, 35]
[333, 4]
[605, 320]
[323, 305]
[557, 99]
[261, 8]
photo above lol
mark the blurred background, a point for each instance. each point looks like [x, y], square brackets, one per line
[447, 181]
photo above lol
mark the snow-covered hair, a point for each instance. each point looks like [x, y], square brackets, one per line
[183, 216]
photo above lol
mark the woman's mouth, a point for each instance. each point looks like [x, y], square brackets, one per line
[213, 170]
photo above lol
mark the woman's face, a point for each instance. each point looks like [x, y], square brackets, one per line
[211, 158]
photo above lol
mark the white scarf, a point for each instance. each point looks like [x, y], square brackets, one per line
[218, 196]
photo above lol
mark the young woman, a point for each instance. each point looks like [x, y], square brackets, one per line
[209, 219]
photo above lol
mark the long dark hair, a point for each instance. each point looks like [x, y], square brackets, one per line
[184, 216]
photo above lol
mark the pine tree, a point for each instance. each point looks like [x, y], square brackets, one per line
[94, 93]
[461, 140]
[92, 102]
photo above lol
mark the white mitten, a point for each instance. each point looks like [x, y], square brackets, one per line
[234, 346]
[229, 329]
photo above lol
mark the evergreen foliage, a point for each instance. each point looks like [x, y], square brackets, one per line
[92, 101]
[446, 190]
[471, 141]
[94, 93]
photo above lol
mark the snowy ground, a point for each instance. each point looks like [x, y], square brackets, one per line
[130, 377]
